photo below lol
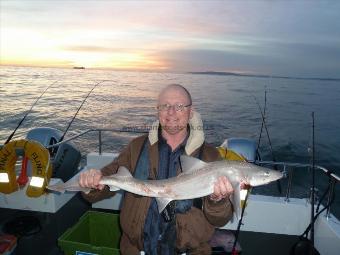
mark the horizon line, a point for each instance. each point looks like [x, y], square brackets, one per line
[222, 73]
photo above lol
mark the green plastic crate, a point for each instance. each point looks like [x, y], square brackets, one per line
[95, 232]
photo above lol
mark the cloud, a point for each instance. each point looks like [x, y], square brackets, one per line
[209, 60]
[299, 38]
[103, 49]
[90, 48]
[289, 59]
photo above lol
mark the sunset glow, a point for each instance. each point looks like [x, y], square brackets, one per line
[173, 36]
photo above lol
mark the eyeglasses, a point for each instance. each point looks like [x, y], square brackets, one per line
[176, 107]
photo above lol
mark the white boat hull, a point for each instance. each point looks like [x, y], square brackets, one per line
[264, 214]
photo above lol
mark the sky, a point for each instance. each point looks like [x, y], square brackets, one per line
[286, 38]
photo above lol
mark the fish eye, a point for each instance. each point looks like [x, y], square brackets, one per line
[266, 173]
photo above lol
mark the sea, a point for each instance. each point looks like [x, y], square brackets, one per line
[230, 106]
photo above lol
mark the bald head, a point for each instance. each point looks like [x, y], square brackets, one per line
[177, 89]
[174, 111]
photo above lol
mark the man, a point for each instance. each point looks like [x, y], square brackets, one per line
[183, 226]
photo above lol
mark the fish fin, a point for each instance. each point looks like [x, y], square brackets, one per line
[162, 203]
[113, 188]
[86, 190]
[78, 188]
[190, 164]
[236, 200]
[122, 172]
[68, 186]
[56, 187]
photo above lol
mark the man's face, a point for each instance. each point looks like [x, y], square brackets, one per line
[173, 121]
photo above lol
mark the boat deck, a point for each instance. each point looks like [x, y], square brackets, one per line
[53, 225]
[264, 214]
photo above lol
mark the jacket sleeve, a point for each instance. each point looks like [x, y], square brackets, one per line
[122, 160]
[217, 213]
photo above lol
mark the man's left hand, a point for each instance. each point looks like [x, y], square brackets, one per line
[222, 189]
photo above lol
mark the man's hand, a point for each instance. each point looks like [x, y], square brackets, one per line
[222, 189]
[90, 179]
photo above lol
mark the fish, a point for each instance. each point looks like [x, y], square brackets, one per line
[196, 180]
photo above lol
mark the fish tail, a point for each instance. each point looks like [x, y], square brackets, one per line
[57, 188]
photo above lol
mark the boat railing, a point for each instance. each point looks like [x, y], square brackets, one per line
[100, 131]
[334, 179]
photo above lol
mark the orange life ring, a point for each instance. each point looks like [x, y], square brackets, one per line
[41, 167]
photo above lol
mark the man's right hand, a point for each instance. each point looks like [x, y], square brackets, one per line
[90, 179]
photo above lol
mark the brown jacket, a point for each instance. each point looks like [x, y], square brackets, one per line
[194, 228]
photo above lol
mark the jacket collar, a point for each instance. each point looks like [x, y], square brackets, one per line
[195, 139]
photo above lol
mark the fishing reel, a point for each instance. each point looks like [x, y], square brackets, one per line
[65, 157]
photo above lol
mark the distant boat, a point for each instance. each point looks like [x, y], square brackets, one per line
[78, 67]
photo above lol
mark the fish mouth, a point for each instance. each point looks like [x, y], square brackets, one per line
[280, 175]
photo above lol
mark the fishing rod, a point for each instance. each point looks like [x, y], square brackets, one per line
[233, 250]
[264, 114]
[269, 141]
[22, 120]
[304, 244]
[329, 203]
[70, 123]
[313, 182]
[265, 127]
